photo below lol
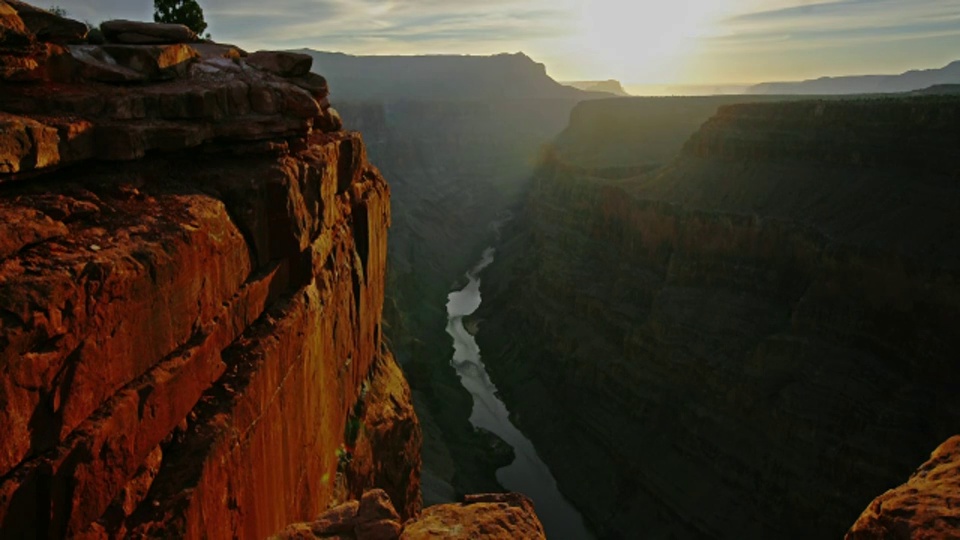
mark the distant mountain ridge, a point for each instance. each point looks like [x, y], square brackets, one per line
[866, 84]
[610, 86]
[429, 78]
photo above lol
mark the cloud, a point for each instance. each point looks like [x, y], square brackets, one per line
[838, 23]
[364, 25]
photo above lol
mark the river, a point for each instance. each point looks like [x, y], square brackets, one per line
[528, 474]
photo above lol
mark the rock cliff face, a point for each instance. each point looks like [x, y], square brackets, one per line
[192, 260]
[751, 342]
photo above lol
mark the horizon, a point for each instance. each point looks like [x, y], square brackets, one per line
[687, 43]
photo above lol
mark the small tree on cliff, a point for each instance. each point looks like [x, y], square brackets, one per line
[185, 12]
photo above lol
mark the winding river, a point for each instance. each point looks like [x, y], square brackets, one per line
[528, 474]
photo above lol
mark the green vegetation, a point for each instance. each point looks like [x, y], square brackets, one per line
[185, 12]
[57, 10]
[344, 458]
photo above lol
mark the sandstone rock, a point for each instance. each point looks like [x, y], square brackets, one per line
[208, 49]
[20, 229]
[383, 529]
[154, 61]
[315, 84]
[125, 63]
[168, 319]
[386, 452]
[376, 505]
[284, 64]
[13, 33]
[337, 520]
[92, 63]
[47, 26]
[487, 516]
[329, 121]
[927, 507]
[143, 33]
[26, 144]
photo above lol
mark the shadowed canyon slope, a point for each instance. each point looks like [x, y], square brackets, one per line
[753, 341]
[458, 137]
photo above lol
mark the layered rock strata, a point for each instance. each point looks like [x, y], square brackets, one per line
[751, 342]
[192, 259]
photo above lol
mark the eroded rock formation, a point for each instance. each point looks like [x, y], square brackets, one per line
[927, 507]
[752, 342]
[192, 259]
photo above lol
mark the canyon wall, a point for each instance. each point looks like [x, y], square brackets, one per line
[192, 273]
[753, 341]
[456, 166]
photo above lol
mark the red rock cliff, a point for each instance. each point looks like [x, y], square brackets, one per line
[192, 258]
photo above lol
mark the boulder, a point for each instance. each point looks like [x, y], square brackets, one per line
[47, 26]
[13, 33]
[92, 63]
[375, 505]
[144, 33]
[207, 50]
[926, 507]
[284, 64]
[313, 83]
[329, 121]
[156, 62]
[495, 516]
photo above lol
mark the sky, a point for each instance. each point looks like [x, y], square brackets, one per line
[639, 42]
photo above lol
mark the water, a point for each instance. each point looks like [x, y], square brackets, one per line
[528, 474]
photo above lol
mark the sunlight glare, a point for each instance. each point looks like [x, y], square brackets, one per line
[645, 40]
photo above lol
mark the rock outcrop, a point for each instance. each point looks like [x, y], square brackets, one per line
[754, 341]
[192, 262]
[927, 507]
[501, 516]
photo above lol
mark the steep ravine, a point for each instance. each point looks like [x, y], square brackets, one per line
[527, 473]
[454, 166]
[752, 342]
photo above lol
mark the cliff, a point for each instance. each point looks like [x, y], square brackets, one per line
[441, 77]
[192, 260]
[753, 341]
[610, 86]
[865, 84]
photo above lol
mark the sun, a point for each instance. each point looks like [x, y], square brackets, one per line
[645, 41]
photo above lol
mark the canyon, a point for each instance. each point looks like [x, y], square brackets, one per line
[752, 340]
[458, 138]
[729, 316]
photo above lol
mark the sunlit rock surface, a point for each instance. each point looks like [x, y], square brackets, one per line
[192, 261]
